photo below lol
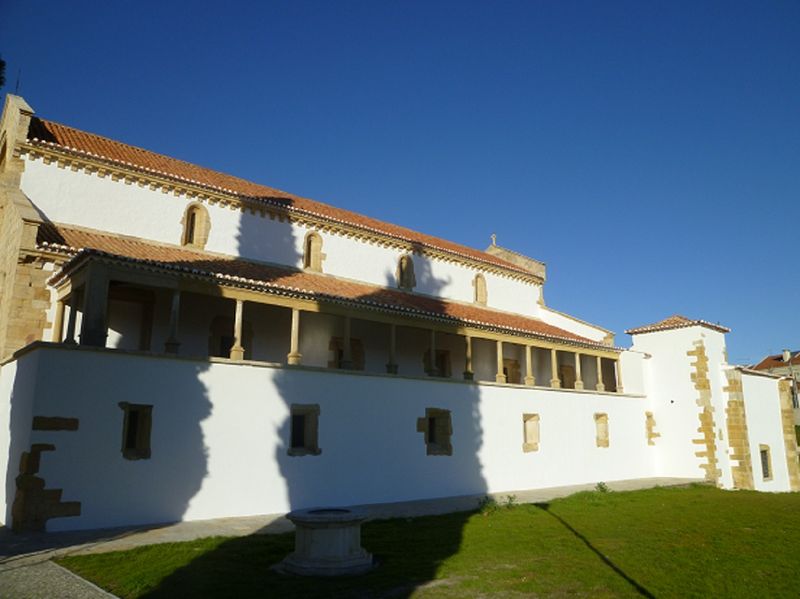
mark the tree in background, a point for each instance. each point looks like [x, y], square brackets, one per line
[2, 72]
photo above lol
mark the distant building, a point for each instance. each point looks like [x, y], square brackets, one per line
[178, 344]
[786, 363]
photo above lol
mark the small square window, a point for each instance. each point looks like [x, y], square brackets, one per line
[438, 430]
[530, 432]
[304, 430]
[766, 462]
[136, 426]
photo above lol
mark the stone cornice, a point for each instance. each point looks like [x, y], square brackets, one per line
[77, 160]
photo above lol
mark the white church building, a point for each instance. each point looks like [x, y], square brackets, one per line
[181, 344]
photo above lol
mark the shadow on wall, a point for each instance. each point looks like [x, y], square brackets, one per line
[374, 440]
[107, 446]
[372, 435]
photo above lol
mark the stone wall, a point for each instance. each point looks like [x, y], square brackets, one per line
[738, 438]
[706, 441]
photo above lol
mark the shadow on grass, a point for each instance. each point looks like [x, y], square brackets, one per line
[545, 507]
[409, 553]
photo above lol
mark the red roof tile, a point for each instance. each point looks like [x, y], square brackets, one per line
[276, 279]
[676, 322]
[776, 361]
[49, 133]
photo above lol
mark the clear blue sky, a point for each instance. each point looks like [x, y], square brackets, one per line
[649, 152]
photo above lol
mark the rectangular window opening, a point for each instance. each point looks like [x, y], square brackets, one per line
[136, 425]
[766, 462]
[438, 430]
[190, 227]
[298, 431]
[304, 430]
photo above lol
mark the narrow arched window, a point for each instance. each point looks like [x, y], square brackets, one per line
[312, 252]
[405, 273]
[480, 290]
[196, 226]
[191, 225]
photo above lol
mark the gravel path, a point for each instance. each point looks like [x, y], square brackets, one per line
[45, 580]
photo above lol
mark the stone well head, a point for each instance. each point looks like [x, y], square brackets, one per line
[327, 543]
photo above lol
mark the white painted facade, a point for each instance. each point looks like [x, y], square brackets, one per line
[84, 199]
[221, 427]
[219, 452]
[761, 403]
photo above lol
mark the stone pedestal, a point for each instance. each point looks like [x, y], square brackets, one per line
[327, 543]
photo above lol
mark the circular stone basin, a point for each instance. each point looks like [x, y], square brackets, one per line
[327, 542]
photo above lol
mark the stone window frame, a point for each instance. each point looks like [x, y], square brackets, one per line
[608, 374]
[406, 279]
[440, 441]
[432, 368]
[139, 449]
[310, 413]
[312, 252]
[512, 370]
[768, 473]
[481, 295]
[530, 442]
[196, 224]
[357, 354]
[567, 376]
[601, 429]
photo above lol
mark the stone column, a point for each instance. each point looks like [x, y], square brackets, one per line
[618, 365]
[555, 383]
[295, 356]
[432, 370]
[94, 325]
[600, 385]
[391, 366]
[529, 378]
[58, 323]
[172, 344]
[500, 377]
[73, 315]
[468, 373]
[347, 350]
[237, 350]
[578, 378]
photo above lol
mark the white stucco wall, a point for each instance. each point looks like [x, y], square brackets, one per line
[572, 325]
[220, 431]
[672, 396]
[632, 365]
[17, 399]
[84, 199]
[764, 427]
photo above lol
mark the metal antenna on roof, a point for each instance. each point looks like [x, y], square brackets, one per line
[16, 87]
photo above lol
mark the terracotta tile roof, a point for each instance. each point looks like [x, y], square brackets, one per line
[776, 361]
[48, 133]
[268, 278]
[676, 322]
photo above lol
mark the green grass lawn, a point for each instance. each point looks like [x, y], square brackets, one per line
[672, 542]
